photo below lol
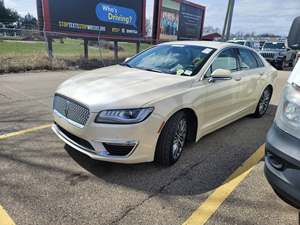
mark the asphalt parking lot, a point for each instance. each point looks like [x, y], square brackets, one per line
[44, 182]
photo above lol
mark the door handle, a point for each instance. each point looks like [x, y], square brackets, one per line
[261, 73]
[237, 78]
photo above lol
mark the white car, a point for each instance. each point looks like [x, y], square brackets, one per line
[248, 43]
[150, 106]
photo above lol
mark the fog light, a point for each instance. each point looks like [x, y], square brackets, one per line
[119, 149]
[276, 162]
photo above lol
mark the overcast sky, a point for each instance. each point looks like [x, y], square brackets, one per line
[259, 16]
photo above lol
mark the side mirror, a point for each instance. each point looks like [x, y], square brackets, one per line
[294, 35]
[220, 74]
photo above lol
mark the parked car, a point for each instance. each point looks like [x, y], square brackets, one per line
[278, 55]
[248, 43]
[261, 44]
[154, 103]
[282, 159]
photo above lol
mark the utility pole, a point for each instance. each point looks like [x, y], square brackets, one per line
[228, 20]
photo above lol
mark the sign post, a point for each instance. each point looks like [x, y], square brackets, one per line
[138, 47]
[116, 51]
[50, 47]
[86, 49]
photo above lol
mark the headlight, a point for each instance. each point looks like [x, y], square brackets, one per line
[288, 113]
[123, 116]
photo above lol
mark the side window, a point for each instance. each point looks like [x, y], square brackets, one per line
[258, 60]
[247, 59]
[226, 60]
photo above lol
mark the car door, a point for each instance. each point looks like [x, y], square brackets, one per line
[250, 76]
[220, 100]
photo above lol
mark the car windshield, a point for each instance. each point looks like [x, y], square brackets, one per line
[177, 59]
[274, 45]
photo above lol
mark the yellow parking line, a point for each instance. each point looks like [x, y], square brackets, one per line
[5, 218]
[21, 132]
[213, 202]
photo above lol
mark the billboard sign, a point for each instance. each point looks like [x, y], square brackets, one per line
[109, 19]
[180, 20]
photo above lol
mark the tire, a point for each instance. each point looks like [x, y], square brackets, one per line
[280, 66]
[171, 141]
[263, 103]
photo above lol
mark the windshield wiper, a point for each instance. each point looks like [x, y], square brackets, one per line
[126, 64]
[150, 69]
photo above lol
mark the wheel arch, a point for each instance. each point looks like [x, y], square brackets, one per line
[270, 86]
[192, 120]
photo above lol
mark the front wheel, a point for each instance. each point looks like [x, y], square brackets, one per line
[263, 103]
[171, 140]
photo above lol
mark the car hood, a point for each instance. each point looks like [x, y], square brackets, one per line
[121, 87]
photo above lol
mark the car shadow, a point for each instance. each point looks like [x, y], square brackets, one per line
[203, 166]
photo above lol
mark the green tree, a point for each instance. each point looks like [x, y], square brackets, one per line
[7, 15]
[29, 22]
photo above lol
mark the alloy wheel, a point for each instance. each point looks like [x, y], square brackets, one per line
[264, 101]
[179, 138]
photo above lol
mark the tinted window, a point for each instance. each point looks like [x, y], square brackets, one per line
[248, 43]
[226, 60]
[247, 59]
[274, 45]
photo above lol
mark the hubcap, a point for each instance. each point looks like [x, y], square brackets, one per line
[264, 102]
[179, 139]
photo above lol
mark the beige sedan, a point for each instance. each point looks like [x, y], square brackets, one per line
[147, 108]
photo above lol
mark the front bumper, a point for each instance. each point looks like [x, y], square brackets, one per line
[282, 165]
[94, 138]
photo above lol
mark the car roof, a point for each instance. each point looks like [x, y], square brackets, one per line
[209, 44]
[238, 40]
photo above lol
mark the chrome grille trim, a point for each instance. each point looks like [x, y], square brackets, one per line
[268, 55]
[73, 111]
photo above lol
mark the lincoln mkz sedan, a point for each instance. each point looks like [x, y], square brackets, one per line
[150, 106]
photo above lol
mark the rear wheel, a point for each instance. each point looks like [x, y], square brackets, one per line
[171, 140]
[263, 103]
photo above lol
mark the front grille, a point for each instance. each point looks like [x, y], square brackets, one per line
[267, 54]
[71, 109]
[76, 139]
